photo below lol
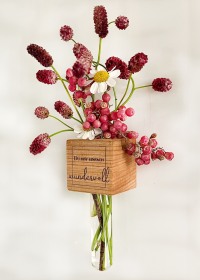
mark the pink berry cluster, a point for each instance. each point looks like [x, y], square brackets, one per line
[147, 149]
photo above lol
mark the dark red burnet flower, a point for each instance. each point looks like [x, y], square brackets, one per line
[80, 51]
[161, 84]
[66, 33]
[40, 143]
[118, 64]
[63, 109]
[122, 22]
[137, 62]
[47, 76]
[100, 21]
[42, 112]
[79, 70]
[40, 54]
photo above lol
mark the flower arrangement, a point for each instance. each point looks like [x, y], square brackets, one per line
[98, 118]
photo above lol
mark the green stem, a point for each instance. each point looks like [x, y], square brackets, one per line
[82, 105]
[76, 120]
[60, 121]
[99, 64]
[115, 98]
[60, 132]
[96, 238]
[68, 93]
[73, 40]
[125, 91]
[132, 91]
[143, 86]
[111, 22]
[63, 80]
[99, 54]
[93, 97]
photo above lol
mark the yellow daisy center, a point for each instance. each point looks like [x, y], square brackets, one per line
[101, 76]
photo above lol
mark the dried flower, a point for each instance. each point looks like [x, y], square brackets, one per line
[40, 143]
[63, 109]
[40, 54]
[122, 22]
[100, 21]
[153, 135]
[42, 112]
[162, 84]
[137, 62]
[66, 33]
[47, 76]
[118, 64]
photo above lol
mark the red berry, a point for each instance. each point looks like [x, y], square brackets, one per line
[124, 127]
[118, 125]
[105, 111]
[146, 162]
[155, 143]
[96, 124]
[145, 157]
[69, 72]
[147, 150]
[86, 125]
[132, 135]
[110, 118]
[107, 134]
[114, 115]
[160, 153]
[122, 107]
[72, 87]
[103, 119]
[144, 140]
[129, 152]
[91, 118]
[139, 161]
[130, 112]
[84, 95]
[72, 80]
[169, 156]
[78, 94]
[98, 104]
[153, 156]
[112, 129]
[104, 126]
[82, 82]
[120, 114]
[123, 119]
[106, 97]
[113, 135]
[87, 111]
[104, 105]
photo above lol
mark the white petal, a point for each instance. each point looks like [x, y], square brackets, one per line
[86, 134]
[91, 135]
[78, 128]
[97, 131]
[115, 73]
[94, 88]
[80, 135]
[102, 87]
[111, 82]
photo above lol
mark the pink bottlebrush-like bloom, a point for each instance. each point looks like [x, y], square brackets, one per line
[122, 22]
[118, 64]
[40, 143]
[137, 62]
[66, 33]
[63, 109]
[80, 51]
[40, 54]
[42, 112]
[162, 84]
[47, 76]
[100, 21]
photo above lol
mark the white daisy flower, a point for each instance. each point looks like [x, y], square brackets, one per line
[102, 79]
[86, 134]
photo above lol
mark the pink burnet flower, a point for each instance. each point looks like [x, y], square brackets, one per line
[122, 22]
[137, 62]
[42, 112]
[100, 21]
[63, 109]
[161, 84]
[80, 51]
[117, 63]
[47, 76]
[40, 54]
[40, 143]
[66, 33]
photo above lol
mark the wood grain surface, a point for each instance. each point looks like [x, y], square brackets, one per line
[99, 166]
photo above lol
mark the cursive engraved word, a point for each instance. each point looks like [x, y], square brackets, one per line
[88, 159]
[86, 177]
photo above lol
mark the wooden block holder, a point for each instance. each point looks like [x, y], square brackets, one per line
[99, 166]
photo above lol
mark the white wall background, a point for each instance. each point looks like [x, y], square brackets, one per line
[44, 228]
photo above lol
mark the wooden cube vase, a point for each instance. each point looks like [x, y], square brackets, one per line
[99, 166]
